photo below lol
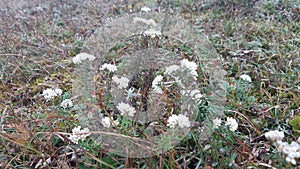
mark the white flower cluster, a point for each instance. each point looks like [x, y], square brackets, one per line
[121, 82]
[152, 33]
[181, 120]
[109, 67]
[217, 123]
[66, 103]
[246, 77]
[106, 122]
[145, 9]
[274, 135]
[156, 84]
[291, 151]
[78, 134]
[82, 57]
[125, 108]
[191, 66]
[49, 93]
[149, 22]
[230, 122]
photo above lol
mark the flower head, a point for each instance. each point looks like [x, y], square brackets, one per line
[106, 122]
[145, 9]
[109, 67]
[66, 103]
[125, 108]
[232, 124]
[274, 135]
[155, 84]
[181, 120]
[246, 77]
[49, 93]
[217, 123]
[78, 134]
[152, 33]
[121, 82]
[82, 57]
[191, 66]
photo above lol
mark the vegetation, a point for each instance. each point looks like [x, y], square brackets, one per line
[256, 39]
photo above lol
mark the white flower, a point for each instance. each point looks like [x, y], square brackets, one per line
[172, 121]
[145, 9]
[170, 69]
[217, 123]
[191, 66]
[152, 33]
[125, 108]
[155, 84]
[109, 67]
[78, 134]
[149, 22]
[246, 77]
[181, 120]
[291, 160]
[274, 135]
[49, 93]
[105, 122]
[232, 124]
[292, 151]
[66, 103]
[82, 57]
[121, 82]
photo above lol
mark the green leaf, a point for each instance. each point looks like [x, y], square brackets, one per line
[295, 123]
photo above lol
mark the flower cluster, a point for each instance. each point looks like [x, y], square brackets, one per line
[145, 9]
[78, 134]
[191, 66]
[246, 77]
[291, 151]
[217, 123]
[121, 82]
[125, 108]
[49, 93]
[106, 122]
[274, 136]
[82, 57]
[66, 103]
[230, 122]
[109, 67]
[155, 84]
[152, 33]
[181, 120]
